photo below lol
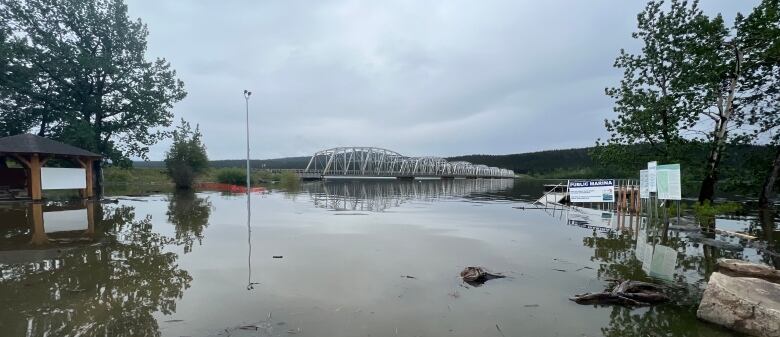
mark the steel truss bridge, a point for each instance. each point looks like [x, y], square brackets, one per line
[368, 162]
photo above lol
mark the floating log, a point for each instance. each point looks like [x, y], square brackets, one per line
[627, 293]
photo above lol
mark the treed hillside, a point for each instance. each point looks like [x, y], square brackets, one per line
[527, 163]
[534, 162]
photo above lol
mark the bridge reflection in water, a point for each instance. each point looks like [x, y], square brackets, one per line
[379, 195]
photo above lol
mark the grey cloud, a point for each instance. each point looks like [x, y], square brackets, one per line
[419, 77]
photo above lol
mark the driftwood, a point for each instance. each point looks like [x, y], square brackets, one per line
[739, 268]
[476, 276]
[628, 293]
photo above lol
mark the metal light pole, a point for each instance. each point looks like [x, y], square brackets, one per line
[246, 98]
[250, 284]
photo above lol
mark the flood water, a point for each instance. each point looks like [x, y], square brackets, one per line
[349, 258]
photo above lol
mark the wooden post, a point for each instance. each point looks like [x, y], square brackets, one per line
[35, 178]
[90, 179]
[90, 217]
[38, 231]
[88, 191]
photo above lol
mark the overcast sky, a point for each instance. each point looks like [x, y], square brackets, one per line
[419, 77]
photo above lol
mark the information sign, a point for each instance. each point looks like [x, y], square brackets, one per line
[592, 190]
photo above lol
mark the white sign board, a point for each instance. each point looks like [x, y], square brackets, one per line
[659, 261]
[651, 176]
[57, 178]
[592, 191]
[644, 189]
[63, 221]
[668, 182]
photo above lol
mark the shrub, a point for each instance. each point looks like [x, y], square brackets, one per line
[289, 180]
[117, 175]
[705, 213]
[233, 176]
[187, 157]
[263, 176]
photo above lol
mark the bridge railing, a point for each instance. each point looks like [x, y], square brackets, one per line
[398, 174]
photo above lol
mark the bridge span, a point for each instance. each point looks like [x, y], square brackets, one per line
[373, 162]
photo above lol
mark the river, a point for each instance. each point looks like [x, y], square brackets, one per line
[348, 258]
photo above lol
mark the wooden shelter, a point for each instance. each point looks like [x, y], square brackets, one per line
[32, 152]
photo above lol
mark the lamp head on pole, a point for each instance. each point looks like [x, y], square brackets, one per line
[247, 93]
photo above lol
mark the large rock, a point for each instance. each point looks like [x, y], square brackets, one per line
[748, 269]
[744, 304]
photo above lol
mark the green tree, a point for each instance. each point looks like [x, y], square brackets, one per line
[681, 91]
[78, 72]
[759, 36]
[186, 159]
[652, 104]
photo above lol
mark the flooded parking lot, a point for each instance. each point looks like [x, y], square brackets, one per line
[349, 258]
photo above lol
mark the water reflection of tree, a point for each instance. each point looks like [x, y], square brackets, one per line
[110, 288]
[662, 320]
[765, 228]
[615, 253]
[190, 215]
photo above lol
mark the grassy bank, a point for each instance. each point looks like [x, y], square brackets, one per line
[142, 176]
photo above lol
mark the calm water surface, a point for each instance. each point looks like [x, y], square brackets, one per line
[374, 258]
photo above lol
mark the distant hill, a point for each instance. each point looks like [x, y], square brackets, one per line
[279, 163]
[534, 162]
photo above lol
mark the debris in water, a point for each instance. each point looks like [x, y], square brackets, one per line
[408, 276]
[248, 327]
[499, 330]
[586, 267]
[277, 256]
[531, 305]
[559, 270]
[628, 293]
[476, 276]
[174, 320]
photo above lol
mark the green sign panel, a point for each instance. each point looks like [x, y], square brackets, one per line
[668, 182]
